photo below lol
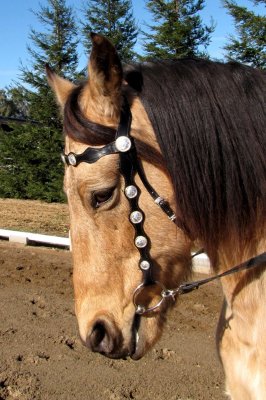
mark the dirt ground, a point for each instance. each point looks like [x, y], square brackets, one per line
[34, 216]
[41, 356]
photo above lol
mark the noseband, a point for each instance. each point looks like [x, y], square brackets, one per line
[130, 166]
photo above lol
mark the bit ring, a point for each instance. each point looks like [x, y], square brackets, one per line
[141, 309]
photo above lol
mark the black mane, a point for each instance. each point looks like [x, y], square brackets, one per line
[209, 120]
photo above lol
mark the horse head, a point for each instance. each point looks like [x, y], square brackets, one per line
[106, 257]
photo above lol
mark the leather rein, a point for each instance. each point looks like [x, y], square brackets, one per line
[130, 166]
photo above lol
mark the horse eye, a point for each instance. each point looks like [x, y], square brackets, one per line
[101, 197]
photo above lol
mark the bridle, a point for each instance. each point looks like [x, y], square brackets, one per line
[130, 165]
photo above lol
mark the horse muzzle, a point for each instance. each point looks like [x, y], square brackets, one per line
[106, 338]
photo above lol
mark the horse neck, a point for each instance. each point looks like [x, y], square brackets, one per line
[246, 283]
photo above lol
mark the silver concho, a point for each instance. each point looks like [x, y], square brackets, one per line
[145, 265]
[141, 241]
[72, 159]
[63, 158]
[123, 144]
[136, 217]
[131, 191]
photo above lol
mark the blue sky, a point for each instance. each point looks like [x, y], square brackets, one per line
[16, 20]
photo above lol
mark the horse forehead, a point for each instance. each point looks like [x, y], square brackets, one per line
[100, 174]
[73, 146]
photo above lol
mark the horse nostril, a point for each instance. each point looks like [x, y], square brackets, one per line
[97, 334]
[101, 338]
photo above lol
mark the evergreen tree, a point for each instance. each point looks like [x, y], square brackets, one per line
[250, 46]
[57, 45]
[30, 164]
[13, 102]
[113, 19]
[30, 167]
[178, 30]
[7, 106]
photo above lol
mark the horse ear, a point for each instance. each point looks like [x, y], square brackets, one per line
[61, 87]
[105, 69]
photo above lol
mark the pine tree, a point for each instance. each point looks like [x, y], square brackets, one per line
[178, 30]
[113, 19]
[57, 45]
[30, 166]
[250, 46]
[30, 155]
[13, 102]
[7, 106]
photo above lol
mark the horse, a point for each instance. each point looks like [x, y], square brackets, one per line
[160, 156]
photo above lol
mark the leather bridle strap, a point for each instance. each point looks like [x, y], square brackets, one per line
[124, 130]
[163, 204]
[185, 288]
[249, 264]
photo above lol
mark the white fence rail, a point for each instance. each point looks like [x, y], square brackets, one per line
[34, 239]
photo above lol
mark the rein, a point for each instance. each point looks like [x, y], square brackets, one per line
[251, 263]
[130, 166]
